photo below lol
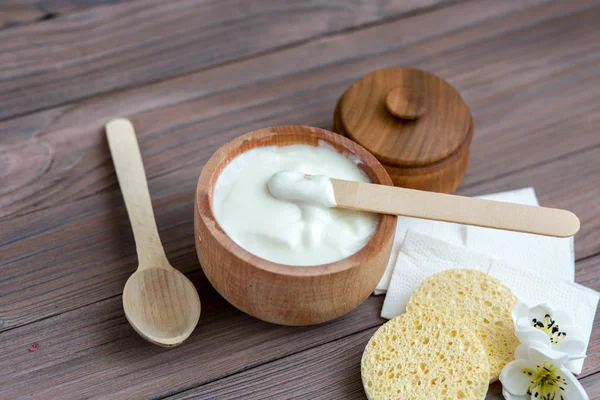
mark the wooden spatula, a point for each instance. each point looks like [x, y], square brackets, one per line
[429, 205]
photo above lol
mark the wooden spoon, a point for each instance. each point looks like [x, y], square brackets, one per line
[160, 303]
[298, 187]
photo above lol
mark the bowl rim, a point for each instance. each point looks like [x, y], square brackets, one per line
[219, 159]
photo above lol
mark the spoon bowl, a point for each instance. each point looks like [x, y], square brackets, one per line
[162, 305]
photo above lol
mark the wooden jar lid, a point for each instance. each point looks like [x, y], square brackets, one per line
[405, 117]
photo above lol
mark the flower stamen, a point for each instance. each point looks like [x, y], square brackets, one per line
[550, 328]
[546, 383]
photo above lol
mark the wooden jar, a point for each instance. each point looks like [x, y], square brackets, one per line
[415, 123]
[285, 294]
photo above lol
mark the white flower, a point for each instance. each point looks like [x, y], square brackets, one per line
[541, 326]
[540, 376]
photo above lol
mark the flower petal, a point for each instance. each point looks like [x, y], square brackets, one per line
[514, 379]
[520, 311]
[540, 354]
[532, 335]
[523, 323]
[522, 351]
[572, 331]
[573, 347]
[509, 396]
[573, 389]
[574, 366]
[539, 312]
[562, 317]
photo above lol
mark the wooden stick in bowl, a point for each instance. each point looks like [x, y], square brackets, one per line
[298, 187]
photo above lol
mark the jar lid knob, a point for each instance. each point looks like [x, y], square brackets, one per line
[405, 103]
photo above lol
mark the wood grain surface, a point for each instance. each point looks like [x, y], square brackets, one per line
[194, 111]
[330, 371]
[195, 74]
[18, 12]
[131, 43]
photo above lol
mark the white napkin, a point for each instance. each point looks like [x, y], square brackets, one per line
[422, 256]
[542, 255]
[539, 254]
[451, 233]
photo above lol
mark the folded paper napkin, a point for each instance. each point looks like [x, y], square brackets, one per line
[451, 233]
[543, 255]
[422, 256]
[550, 256]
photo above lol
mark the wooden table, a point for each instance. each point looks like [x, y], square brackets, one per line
[192, 75]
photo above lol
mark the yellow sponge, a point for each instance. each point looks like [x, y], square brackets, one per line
[478, 301]
[424, 356]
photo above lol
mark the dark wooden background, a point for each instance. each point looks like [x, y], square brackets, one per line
[193, 74]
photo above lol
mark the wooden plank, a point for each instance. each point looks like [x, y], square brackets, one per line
[62, 156]
[332, 371]
[17, 12]
[84, 250]
[592, 385]
[131, 43]
[93, 351]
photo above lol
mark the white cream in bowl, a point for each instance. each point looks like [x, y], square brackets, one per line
[286, 232]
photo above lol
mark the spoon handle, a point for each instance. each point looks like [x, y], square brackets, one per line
[132, 179]
[451, 208]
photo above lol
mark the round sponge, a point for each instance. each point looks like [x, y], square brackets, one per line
[424, 356]
[478, 301]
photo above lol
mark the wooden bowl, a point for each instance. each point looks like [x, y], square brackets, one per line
[285, 294]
